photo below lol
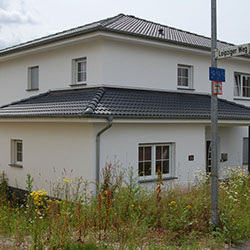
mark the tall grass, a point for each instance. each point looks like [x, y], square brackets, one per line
[125, 216]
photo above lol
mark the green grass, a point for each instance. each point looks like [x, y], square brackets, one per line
[125, 216]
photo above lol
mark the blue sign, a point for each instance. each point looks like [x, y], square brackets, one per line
[216, 74]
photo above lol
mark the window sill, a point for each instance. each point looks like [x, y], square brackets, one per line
[78, 84]
[32, 89]
[190, 89]
[156, 179]
[16, 165]
[242, 98]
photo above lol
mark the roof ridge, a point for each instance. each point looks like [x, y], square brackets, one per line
[93, 104]
[26, 99]
[111, 20]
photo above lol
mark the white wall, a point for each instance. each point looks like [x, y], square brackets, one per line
[48, 146]
[114, 62]
[121, 142]
[55, 70]
[230, 142]
[150, 67]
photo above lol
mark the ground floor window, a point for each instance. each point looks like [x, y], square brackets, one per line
[16, 152]
[155, 158]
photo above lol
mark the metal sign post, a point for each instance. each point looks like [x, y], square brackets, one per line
[214, 123]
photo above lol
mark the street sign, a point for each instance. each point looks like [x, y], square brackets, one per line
[216, 74]
[232, 51]
[217, 88]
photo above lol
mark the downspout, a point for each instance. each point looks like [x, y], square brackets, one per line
[110, 123]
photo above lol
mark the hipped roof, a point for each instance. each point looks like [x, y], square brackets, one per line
[102, 102]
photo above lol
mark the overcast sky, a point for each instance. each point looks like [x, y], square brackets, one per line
[23, 20]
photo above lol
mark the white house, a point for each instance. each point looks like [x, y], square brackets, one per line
[122, 88]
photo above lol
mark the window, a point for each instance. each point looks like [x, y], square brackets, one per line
[16, 152]
[185, 76]
[79, 71]
[33, 78]
[241, 85]
[154, 158]
[245, 150]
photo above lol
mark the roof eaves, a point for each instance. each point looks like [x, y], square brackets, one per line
[156, 38]
[51, 38]
[37, 44]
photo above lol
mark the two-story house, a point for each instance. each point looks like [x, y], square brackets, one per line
[120, 89]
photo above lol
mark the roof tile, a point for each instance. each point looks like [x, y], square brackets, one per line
[125, 24]
[123, 103]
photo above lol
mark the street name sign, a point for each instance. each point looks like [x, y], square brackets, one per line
[216, 74]
[233, 51]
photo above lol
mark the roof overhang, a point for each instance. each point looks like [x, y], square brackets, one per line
[95, 33]
[125, 121]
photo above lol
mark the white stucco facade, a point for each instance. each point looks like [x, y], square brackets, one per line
[51, 151]
[117, 60]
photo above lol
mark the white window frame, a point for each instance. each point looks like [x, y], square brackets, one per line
[189, 78]
[30, 84]
[75, 71]
[14, 152]
[154, 175]
[238, 85]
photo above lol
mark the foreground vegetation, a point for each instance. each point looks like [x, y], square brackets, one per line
[125, 216]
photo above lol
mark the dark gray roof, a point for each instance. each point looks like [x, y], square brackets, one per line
[125, 24]
[122, 103]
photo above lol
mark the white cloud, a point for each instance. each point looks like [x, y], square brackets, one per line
[13, 16]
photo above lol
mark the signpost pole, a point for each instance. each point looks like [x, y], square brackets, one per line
[214, 123]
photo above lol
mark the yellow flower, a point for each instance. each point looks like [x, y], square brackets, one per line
[187, 207]
[172, 203]
[67, 180]
[240, 174]
[57, 202]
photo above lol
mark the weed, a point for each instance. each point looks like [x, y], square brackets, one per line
[125, 216]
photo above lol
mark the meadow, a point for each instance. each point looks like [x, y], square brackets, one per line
[123, 215]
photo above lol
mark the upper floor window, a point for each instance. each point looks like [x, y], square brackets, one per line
[33, 78]
[154, 158]
[79, 74]
[241, 85]
[185, 76]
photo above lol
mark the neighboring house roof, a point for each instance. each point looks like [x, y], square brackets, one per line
[122, 103]
[125, 24]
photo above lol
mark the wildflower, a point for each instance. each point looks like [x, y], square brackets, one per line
[158, 188]
[240, 174]
[172, 203]
[57, 202]
[67, 180]
[187, 207]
